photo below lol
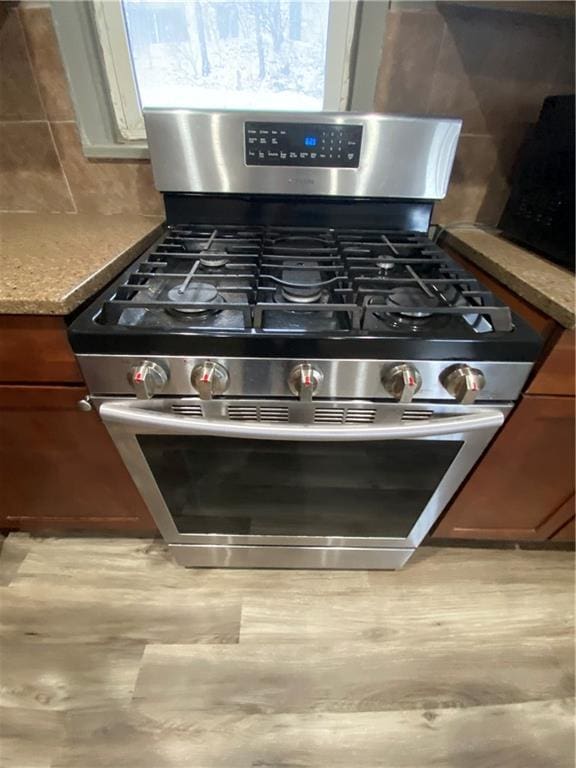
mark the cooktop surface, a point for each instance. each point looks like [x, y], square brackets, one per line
[288, 282]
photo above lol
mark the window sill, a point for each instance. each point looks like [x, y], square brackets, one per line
[135, 151]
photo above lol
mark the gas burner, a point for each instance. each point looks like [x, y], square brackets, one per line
[386, 264]
[195, 293]
[409, 309]
[412, 297]
[293, 294]
[303, 241]
[301, 283]
[214, 260]
[208, 258]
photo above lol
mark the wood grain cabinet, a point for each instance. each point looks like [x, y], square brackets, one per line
[524, 486]
[59, 469]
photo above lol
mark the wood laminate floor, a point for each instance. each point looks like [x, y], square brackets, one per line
[114, 657]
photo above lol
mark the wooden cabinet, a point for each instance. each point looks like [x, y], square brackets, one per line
[568, 531]
[523, 488]
[556, 374]
[59, 469]
[35, 350]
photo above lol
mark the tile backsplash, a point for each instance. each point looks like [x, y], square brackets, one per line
[42, 166]
[492, 68]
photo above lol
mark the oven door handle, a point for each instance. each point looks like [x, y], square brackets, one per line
[135, 418]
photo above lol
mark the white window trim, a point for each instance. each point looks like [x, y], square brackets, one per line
[113, 37]
[339, 46]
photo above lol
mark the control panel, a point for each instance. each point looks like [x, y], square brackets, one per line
[303, 144]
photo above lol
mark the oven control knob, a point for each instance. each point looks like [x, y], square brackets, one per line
[209, 379]
[463, 383]
[148, 379]
[402, 381]
[304, 380]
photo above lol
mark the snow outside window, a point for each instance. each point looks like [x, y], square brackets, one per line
[288, 55]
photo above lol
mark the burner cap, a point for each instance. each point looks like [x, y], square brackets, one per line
[386, 263]
[415, 319]
[208, 257]
[214, 259]
[412, 297]
[198, 293]
[300, 285]
[303, 241]
[301, 295]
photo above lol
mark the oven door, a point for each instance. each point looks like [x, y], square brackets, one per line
[247, 474]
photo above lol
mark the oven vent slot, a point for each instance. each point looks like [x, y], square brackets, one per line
[268, 414]
[342, 416]
[360, 416]
[191, 409]
[242, 412]
[417, 415]
[329, 416]
[273, 415]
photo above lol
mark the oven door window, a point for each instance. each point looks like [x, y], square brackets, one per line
[285, 488]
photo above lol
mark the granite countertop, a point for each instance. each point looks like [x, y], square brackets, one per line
[51, 263]
[540, 282]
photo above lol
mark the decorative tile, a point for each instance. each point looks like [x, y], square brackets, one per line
[479, 185]
[495, 69]
[19, 98]
[411, 47]
[31, 177]
[47, 62]
[105, 186]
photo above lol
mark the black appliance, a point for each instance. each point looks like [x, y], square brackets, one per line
[540, 211]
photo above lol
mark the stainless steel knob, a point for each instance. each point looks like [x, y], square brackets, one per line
[85, 404]
[304, 380]
[463, 383]
[402, 381]
[147, 379]
[210, 379]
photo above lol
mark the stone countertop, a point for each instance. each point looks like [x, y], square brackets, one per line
[51, 263]
[540, 282]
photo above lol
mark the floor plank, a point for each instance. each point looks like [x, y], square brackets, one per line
[443, 599]
[64, 676]
[111, 655]
[29, 738]
[528, 735]
[15, 549]
[182, 680]
[102, 615]
[137, 564]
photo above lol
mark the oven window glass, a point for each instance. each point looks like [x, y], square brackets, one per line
[261, 487]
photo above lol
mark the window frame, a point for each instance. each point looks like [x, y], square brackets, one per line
[93, 41]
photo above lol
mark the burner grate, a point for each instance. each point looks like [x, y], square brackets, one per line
[303, 280]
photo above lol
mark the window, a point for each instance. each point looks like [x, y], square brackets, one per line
[261, 54]
[224, 54]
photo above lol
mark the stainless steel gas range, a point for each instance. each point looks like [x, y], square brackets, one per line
[294, 374]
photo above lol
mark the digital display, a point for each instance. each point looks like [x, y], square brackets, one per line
[313, 145]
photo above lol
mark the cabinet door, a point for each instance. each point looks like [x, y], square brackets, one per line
[35, 350]
[520, 488]
[59, 468]
[567, 532]
[556, 374]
